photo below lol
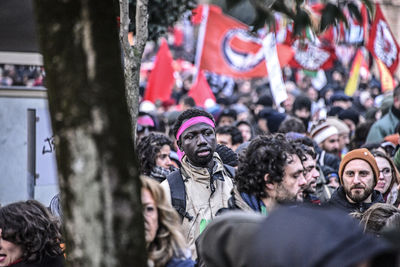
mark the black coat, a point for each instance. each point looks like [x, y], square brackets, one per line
[47, 261]
[340, 201]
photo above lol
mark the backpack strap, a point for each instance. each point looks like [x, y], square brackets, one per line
[178, 194]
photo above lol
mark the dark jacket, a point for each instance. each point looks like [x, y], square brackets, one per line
[340, 201]
[47, 261]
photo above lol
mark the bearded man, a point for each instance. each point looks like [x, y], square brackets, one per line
[358, 173]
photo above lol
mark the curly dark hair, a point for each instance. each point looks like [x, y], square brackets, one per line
[265, 154]
[307, 146]
[190, 113]
[147, 149]
[30, 225]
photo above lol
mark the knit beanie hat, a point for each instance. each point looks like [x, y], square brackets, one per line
[322, 132]
[339, 125]
[363, 154]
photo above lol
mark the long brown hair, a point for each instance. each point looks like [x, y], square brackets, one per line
[169, 241]
[395, 173]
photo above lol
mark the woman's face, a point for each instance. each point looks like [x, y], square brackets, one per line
[162, 158]
[385, 175]
[9, 252]
[150, 215]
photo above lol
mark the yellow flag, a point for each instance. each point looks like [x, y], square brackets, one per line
[352, 83]
[387, 81]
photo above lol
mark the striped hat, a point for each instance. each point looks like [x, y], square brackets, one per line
[322, 132]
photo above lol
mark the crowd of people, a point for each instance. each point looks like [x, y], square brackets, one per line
[242, 181]
[313, 181]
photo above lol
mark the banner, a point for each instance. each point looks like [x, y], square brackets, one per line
[278, 88]
[230, 49]
[382, 43]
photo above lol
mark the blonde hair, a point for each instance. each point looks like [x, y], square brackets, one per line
[169, 241]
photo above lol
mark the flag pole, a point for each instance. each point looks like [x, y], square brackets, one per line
[200, 39]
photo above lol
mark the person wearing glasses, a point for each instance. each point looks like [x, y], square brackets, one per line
[388, 179]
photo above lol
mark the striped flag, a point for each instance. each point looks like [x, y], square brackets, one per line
[354, 78]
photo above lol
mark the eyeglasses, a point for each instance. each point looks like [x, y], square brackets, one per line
[386, 172]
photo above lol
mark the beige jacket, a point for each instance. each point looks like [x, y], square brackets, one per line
[200, 203]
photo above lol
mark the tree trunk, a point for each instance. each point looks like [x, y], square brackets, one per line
[133, 55]
[98, 171]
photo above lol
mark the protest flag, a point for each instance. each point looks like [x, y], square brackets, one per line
[200, 90]
[230, 49]
[354, 78]
[381, 43]
[387, 81]
[161, 79]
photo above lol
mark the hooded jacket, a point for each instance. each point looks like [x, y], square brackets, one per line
[383, 127]
[340, 201]
[203, 199]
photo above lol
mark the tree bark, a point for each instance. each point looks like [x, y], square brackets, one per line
[133, 55]
[98, 171]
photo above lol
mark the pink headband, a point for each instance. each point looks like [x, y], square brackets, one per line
[187, 124]
[145, 121]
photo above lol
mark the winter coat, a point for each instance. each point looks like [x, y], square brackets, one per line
[201, 202]
[340, 201]
[383, 127]
[47, 261]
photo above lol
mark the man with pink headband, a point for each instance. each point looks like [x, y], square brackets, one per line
[202, 186]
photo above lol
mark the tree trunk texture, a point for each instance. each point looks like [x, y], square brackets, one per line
[98, 170]
[133, 55]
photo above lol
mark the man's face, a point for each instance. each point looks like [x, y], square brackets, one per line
[224, 139]
[199, 143]
[344, 140]
[293, 183]
[331, 144]
[358, 181]
[311, 174]
[226, 121]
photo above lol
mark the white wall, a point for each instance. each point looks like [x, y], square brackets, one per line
[13, 146]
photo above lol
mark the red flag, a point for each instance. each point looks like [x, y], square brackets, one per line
[230, 49]
[200, 90]
[198, 11]
[309, 56]
[382, 43]
[161, 79]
